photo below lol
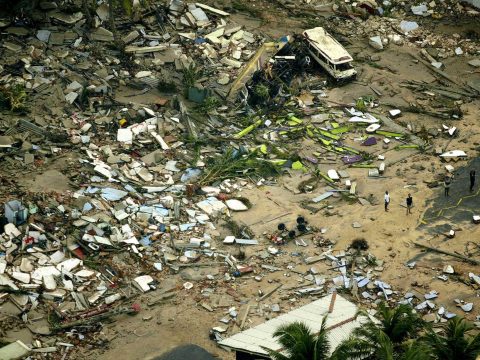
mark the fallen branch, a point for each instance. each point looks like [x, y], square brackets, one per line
[437, 250]
[270, 292]
[94, 319]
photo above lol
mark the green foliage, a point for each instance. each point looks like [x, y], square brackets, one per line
[209, 104]
[456, 343]
[13, 98]
[262, 91]
[395, 334]
[363, 102]
[384, 340]
[360, 105]
[127, 6]
[231, 165]
[299, 343]
[190, 75]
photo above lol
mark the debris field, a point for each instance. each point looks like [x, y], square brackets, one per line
[198, 169]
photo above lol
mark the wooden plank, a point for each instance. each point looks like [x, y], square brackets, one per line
[143, 50]
[212, 9]
[247, 310]
[270, 292]
[353, 188]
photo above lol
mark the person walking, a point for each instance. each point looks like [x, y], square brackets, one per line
[409, 204]
[387, 200]
[446, 184]
[472, 179]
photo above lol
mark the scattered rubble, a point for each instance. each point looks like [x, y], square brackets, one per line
[160, 129]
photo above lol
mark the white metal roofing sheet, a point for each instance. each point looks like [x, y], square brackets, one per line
[311, 314]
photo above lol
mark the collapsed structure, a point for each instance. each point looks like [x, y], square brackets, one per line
[142, 183]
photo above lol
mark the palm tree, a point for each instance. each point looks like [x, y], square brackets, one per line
[456, 343]
[299, 343]
[399, 323]
[385, 338]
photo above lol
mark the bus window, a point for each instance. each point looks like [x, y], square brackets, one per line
[344, 66]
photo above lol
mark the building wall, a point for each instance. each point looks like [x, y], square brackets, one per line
[239, 355]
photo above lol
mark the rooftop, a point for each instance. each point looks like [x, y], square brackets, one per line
[326, 44]
[340, 323]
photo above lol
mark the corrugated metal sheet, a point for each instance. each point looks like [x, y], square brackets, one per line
[340, 321]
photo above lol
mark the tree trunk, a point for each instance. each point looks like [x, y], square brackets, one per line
[111, 21]
[88, 14]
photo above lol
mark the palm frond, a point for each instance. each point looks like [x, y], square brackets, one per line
[353, 348]
[384, 348]
[416, 350]
[456, 343]
[399, 323]
[322, 344]
[473, 346]
[275, 355]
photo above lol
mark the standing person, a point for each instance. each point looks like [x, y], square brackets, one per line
[472, 179]
[446, 184]
[387, 200]
[409, 204]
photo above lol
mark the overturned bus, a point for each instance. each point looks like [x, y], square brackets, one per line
[329, 54]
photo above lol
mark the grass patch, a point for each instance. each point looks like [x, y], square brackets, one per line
[13, 98]
[208, 105]
[190, 75]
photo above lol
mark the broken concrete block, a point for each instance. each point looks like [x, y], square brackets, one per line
[71, 97]
[332, 174]
[14, 351]
[376, 42]
[233, 63]
[11, 46]
[102, 34]
[223, 79]
[407, 26]
[142, 282]
[65, 18]
[43, 35]
[26, 265]
[474, 63]
[448, 269]
[125, 136]
[142, 74]
[49, 282]
[20, 276]
[236, 205]
[131, 36]
[212, 206]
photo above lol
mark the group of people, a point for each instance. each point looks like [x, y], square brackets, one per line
[409, 202]
[446, 184]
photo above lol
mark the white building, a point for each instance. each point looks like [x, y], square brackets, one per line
[341, 321]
